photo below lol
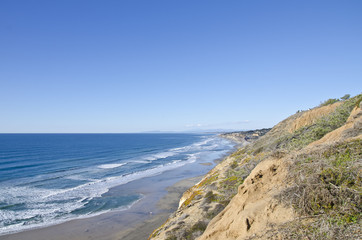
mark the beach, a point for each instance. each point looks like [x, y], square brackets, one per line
[161, 195]
[82, 186]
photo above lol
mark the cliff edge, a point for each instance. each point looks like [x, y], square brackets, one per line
[301, 180]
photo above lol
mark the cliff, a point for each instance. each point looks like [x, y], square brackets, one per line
[301, 180]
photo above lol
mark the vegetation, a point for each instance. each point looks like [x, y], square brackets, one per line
[329, 102]
[210, 197]
[279, 139]
[324, 125]
[345, 97]
[208, 180]
[358, 102]
[191, 198]
[195, 231]
[328, 191]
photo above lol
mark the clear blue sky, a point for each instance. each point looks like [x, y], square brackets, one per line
[133, 66]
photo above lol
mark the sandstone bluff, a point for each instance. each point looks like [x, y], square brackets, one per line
[299, 180]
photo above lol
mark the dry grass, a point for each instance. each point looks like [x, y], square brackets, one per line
[279, 139]
[326, 193]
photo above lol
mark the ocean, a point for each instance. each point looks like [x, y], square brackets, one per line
[47, 179]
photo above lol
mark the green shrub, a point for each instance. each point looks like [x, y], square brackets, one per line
[358, 102]
[210, 197]
[345, 97]
[233, 181]
[191, 198]
[234, 164]
[329, 102]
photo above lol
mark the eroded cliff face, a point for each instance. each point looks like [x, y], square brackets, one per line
[254, 207]
[252, 193]
[311, 116]
[256, 211]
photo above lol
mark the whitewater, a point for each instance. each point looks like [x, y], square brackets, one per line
[46, 179]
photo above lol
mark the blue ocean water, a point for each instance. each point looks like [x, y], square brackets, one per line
[51, 178]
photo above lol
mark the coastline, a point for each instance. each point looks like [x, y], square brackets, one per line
[161, 193]
[137, 222]
[167, 205]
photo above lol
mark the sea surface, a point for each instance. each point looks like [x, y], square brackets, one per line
[47, 179]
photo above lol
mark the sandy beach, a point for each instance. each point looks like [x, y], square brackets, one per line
[161, 198]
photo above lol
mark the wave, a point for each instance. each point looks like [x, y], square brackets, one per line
[50, 219]
[111, 165]
[160, 155]
[139, 161]
[37, 207]
[198, 146]
[47, 205]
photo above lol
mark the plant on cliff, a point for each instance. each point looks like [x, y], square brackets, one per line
[189, 200]
[329, 102]
[189, 234]
[345, 97]
[327, 190]
[321, 127]
[280, 139]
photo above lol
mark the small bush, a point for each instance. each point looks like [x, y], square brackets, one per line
[345, 97]
[358, 102]
[234, 164]
[329, 102]
[210, 197]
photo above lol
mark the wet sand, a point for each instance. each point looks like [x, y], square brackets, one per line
[161, 198]
[168, 204]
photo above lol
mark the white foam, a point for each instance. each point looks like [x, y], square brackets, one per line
[50, 203]
[160, 155]
[54, 205]
[139, 161]
[174, 151]
[48, 220]
[192, 158]
[112, 165]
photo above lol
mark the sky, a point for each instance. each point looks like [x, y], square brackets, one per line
[85, 66]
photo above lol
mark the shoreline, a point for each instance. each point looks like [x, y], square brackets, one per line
[137, 222]
[167, 205]
[162, 194]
